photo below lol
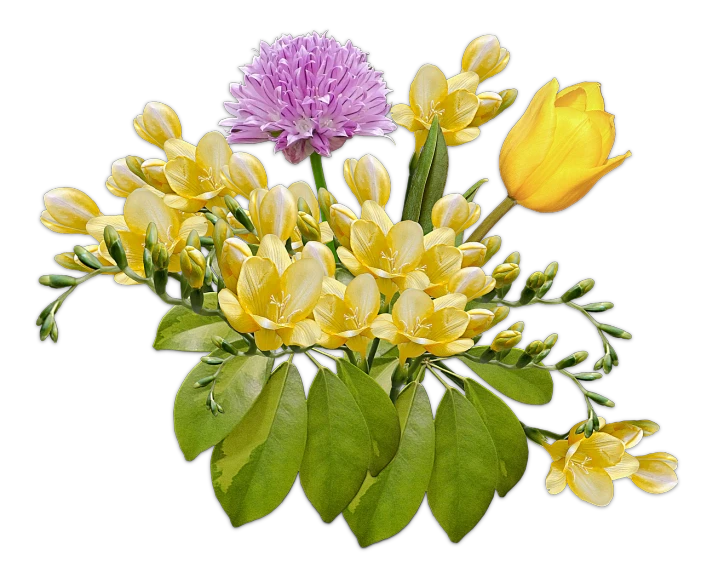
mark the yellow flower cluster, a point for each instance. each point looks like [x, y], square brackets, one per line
[590, 465]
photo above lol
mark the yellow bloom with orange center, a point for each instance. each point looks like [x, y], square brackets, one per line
[560, 148]
[419, 324]
[346, 315]
[274, 297]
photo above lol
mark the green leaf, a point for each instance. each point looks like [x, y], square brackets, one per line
[465, 466]
[183, 330]
[472, 191]
[254, 467]
[419, 176]
[386, 504]
[337, 454]
[379, 412]
[386, 349]
[435, 183]
[382, 370]
[528, 386]
[238, 384]
[506, 432]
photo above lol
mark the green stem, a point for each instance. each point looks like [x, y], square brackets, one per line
[371, 354]
[491, 220]
[318, 171]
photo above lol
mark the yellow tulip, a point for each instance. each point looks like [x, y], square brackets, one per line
[234, 252]
[158, 124]
[347, 319]
[472, 282]
[419, 324]
[196, 177]
[559, 149]
[485, 57]
[368, 179]
[273, 212]
[341, 218]
[244, 173]
[274, 297]
[455, 212]
[391, 253]
[452, 101]
[68, 210]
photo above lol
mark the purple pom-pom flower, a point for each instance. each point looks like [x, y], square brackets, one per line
[308, 94]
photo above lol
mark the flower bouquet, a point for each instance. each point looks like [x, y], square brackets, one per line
[260, 278]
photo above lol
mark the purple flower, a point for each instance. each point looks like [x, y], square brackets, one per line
[308, 93]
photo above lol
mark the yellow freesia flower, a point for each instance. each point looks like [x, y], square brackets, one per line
[472, 282]
[485, 57]
[346, 319]
[391, 253]
[419, 324]
[301, 190]
[452, 101]
[455, 212]
[321, 253]
[559, 149]
[341, 218]
[195, 174]
[473, 254]
[440, 262]
[144, 206]
[234, 252]
[244, 173]
[68, 210]
[124, 180]
[480, 320]
[274, 297]
[158, 124]
[368, 179]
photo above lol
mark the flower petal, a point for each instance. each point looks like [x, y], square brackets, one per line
[439, 236]
[412, 306]
[363, 295]
[371, 180]
[441, 262]
[468, 80]
[304, 334]
[459, 108]
[556, 481]
[384, 328]
[409, 351]
[458, 301]
[665, 457]
[301, 190]
[626, 467]
[351, 262]
[301, 282]
[450, 348]
[330, 313]
[461, 136]
[403, 115]
[272, 248]
[235, 314]
[654, 476]
[594, 101]
[372, 211]
[268, 340]
[406, 245]
[258, 282]
[447, 324]
[627, 433]
[333, 286]
[557, 450]
[212, 155]
[321, 253]
[591, 484]
[367, 242]
[428, 88]
[143, 206]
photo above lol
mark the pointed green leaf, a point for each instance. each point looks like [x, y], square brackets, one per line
[382, 370]
[379, 412]
[419, 176]
[386, 349]
[528, 386]
[386, 504]
[465, 466]
[506, 432]
[435, 183]
[254, 467]
[183, 330]
[238, 384]
[337, 454]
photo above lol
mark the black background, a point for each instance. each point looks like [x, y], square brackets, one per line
[110, 395]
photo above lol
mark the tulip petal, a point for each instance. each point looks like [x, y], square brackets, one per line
[259, 281]
[576, 99]
[273, 249]
[529, 141]
[459, 108]
[468, 80]
[591, 484]
[604, 124]
[595, 101]
[428, 88]
[235, 314]
[626, 467]
[301, 287]
[556, 481]
[654, 476]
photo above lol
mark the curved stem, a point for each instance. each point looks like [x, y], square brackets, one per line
[491, 220]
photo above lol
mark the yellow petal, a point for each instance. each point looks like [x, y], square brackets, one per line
[468, 80]
[197, 223]
[341, 218]
[591, 484]
[461, 136]
[71, 208]
[351, 262]
[594, 100]
[368, 243]
[235, 314]
[322, 254]
[301, 190]
[627, 433]
[501, 63]
[654, 476]
[600, 450]
[428, 88]
[272, 248]
[160, 122]
[605, 126]
[409, 351]
[459, 108]
[212, 155]
[143, 207]
[529, 141]
[472, 282]
[383, 327]
[441, 262]
[439, 236]
[233, 253]
[446, 324]
[455, 212]
[246, 173]
[268, 340]
[416, 279]
[405, 241]
[473, 254]
[96, 226]
[258, 282]
[176, 147]
[481, 55]
[124, 178]
[626, 467]
[183, 177]
[330, 313]
[556, 482]
[326, 232]
[403, 115]
[450, 348]
[277, 213]
[665, 457]
[363, 296]
[372, 211]
[412, 306]
[304, 334]
[450, 301]
[489, 105]
[371, 181]
[358, 344]
[301, 288]
[333, 286]
[480, 321]
[558, 450]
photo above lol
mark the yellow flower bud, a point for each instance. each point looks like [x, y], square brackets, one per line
[326, 199]
[508, 97]
[244, 174]
[68, 210]
[154, 170]
[273, 212]
[122, 182]
[321, 253]
[480, 320]
[500, 313]
[157, 124]
[505, 274]
[489, 107]
[193, 265]
[233, 253]
[472, 282]
[308, 227]
[368, 179]
[473, 254]
[341, 218]
[505, 340]
[485, 57]
[559, 149]
[455, 212]
[493, 244]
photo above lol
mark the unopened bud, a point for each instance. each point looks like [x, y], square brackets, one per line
[160, 281]
[303, 206]
[211, 360]
[204, 382]
[535, 348]
[505, 274]
[340, 219]
[517, 326]
[160, 256]
[193, 240]
[231, 203]
[151, 236]
[614, 356]
[615, 331]
[308, 227]
[542, 355]
[473, 254]
[513, 258]
[192, 265]
[492, 244]
[600, 399]
[500, 313]
[86, 258]
[110, 235]
[505, 340]
[54, 332]
[598, 306]
[578, 290]
[488, 355]
[551, 270]
[58, 281]
[535, 435]
[46, 327]
[536, 280]
[326, 199]
[550, 341]
[608, 363]
[196, 300]
[588, 376]
[572, 360]
[148, 263]
[544, 289]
